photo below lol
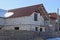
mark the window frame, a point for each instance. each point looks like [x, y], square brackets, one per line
[35, 17]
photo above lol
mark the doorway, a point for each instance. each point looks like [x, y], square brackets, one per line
[41, 29]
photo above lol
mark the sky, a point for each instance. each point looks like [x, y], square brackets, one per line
[50, 5]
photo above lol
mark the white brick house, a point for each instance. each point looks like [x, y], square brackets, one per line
[28, 18]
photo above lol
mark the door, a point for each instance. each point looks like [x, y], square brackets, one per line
[41, 29]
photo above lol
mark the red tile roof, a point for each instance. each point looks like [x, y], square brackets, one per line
[53, 15]
[27, 11]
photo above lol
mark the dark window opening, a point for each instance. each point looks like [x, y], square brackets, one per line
[41, 29]
[59, 28]
[35, 17]
[36, 28]
[37, 11]
[16, 28]
[0, 28]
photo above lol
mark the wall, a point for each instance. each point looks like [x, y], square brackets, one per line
[19, 35]
[2, 21]
[25, 23]
[25, 20]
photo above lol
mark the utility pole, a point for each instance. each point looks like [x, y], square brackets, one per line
[58, 18]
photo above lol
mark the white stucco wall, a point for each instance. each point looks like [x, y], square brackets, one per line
[22, 27]
[25, 20]
[24, 23]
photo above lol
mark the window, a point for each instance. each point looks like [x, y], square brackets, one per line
[16, 28]
[36, 28]
[35, 17]
[37, 11]
[41, 29]
[59, 26]
[0, 28]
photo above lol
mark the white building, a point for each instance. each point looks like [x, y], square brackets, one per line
[27, 18]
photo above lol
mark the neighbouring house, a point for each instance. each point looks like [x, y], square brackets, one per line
[31, 18]
[54, 21]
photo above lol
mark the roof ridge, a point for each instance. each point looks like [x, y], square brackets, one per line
[27, 7]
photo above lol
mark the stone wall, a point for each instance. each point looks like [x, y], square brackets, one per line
[26, 35]
[17, 35]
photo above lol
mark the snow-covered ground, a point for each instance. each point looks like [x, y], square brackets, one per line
[54, 39]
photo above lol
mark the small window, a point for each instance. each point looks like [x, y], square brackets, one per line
[37, 11]
[16, 28]
[35, 17]
[59, 26]
[36, 28]
[41, 29]
[59, 29]
[0, 28]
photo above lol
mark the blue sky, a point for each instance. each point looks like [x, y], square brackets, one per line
[50, 5]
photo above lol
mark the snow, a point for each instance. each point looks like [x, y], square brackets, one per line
[8, 14]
